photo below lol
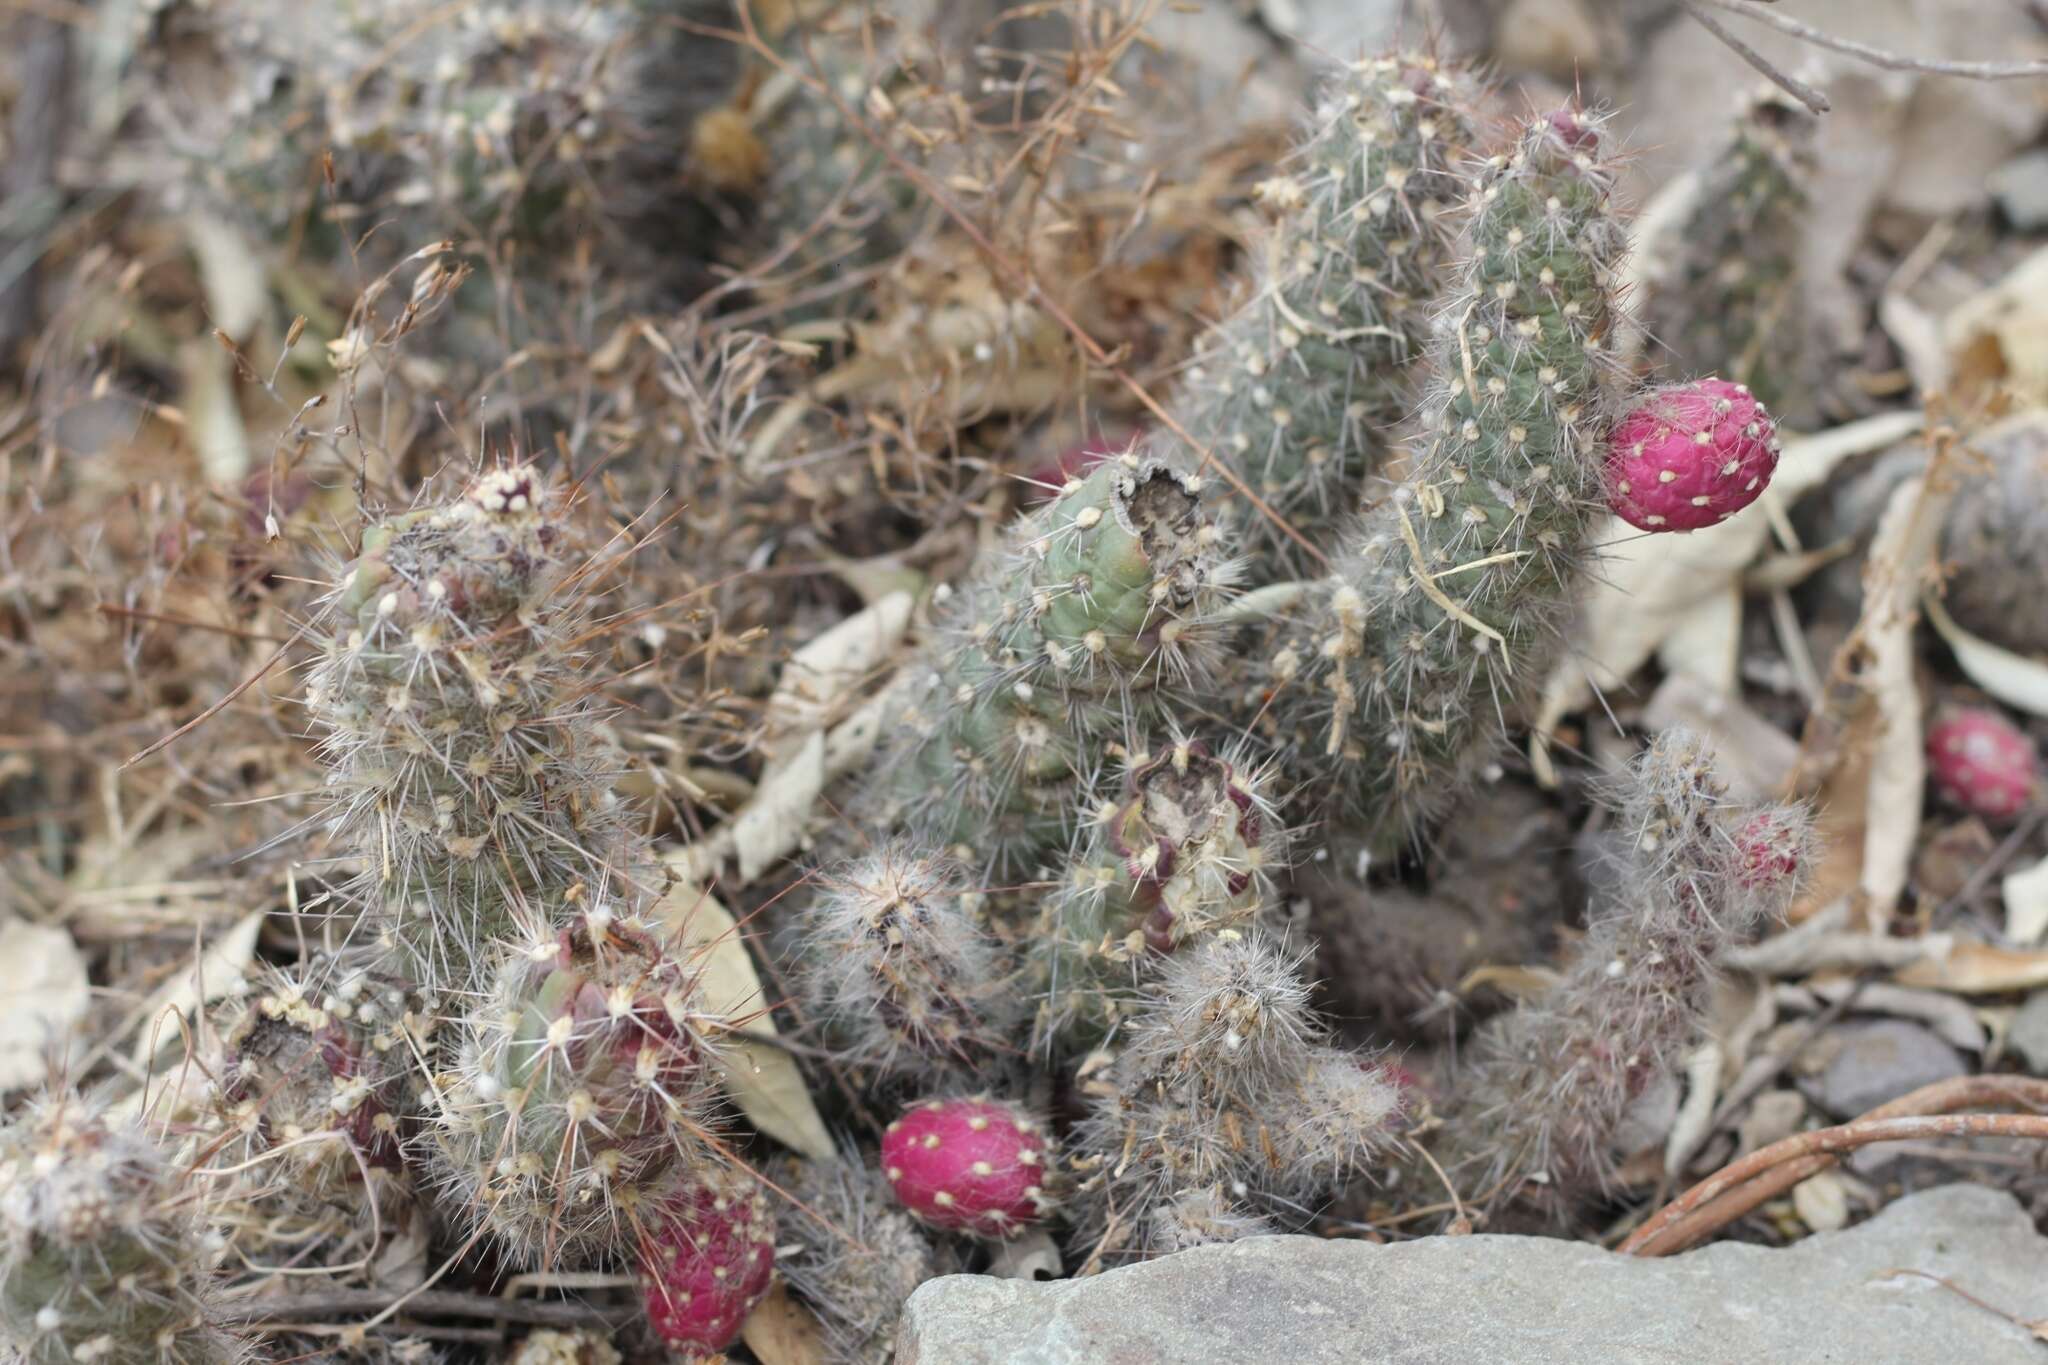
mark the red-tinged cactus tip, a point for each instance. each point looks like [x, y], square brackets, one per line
[1982, 763]
[1770, 848]
[973, 1166]
[709, 1264]
[1690, 455]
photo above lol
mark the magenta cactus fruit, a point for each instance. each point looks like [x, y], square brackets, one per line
[968, 1165]
[1690, 455]
[708, 1263]
[1982, 763]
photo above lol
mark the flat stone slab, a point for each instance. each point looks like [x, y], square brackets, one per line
[1526, 1300]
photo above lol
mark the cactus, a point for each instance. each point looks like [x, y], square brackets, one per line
[1446, 602]
[103, 1251]
[1297, 388]
[899, 965]
[1727, 296]
[708, 1262]
[969, 1165]
[582, 1096]
[459, 731]
[1188, 848]
[1982, 763]
[1224, 1083]
[1104, 596]
[858, 1259]
[1690, 455]
[321, 1050]
[1556, 1077]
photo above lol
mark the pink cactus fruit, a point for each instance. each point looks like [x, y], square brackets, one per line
[708, 1263]
[1690, 455]
[1982, 763]
[968, 1165]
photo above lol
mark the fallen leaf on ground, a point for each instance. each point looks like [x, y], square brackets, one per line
[47, 994]
[1971, 968]
[2026, 903]
[764, 1080]
[782, 1331]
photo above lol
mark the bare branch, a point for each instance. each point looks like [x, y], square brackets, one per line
[1797, 89]
[1876, 56]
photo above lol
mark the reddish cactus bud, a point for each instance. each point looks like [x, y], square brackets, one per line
[1982, 763]
[1690, 455]
[710, 1262]
[974, 1166]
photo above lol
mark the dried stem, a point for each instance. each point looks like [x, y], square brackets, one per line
[1769, 1171]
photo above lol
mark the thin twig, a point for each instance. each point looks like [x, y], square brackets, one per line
[1877, 56]
[1799, 90]
[210, 712]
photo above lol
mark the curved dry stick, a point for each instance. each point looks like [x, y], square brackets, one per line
[1770, 1171]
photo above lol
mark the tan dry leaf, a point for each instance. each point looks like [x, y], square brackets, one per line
[837, 663]
[764, 1080]
[220, 971]
[1999, 338]
[47, 994]
[772, 825]
[2026, 903]
[1971, 968]
[2014, 679]
[783, 1331]
[1647, 586]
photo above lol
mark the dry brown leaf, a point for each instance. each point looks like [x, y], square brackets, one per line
[1971, 968]
[764, 1080]
[783, 1331]
[47, 994]
[773, 823]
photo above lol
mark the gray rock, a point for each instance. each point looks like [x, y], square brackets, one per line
[1876, 1061]
[1527, 1300]
[2029, 1035]
[2021, 188]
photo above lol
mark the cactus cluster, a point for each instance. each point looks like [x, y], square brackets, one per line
[1298, 389]
[1540, 1111]
[568, 1105]
[1101, 598]
[1445, 601]
[105, 1254]
[1225, 1104]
